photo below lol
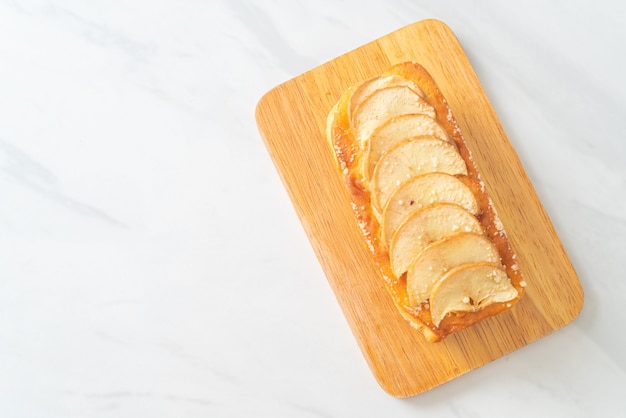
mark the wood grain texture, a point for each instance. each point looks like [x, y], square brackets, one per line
[292, 122]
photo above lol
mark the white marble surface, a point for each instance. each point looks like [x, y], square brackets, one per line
[151, 264]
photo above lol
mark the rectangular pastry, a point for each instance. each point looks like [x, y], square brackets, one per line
[419, 200]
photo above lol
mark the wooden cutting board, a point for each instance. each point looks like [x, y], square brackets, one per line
[292, 121]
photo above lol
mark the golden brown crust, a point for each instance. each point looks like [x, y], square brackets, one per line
[349, 155]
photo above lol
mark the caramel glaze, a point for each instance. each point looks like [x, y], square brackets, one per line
[349, 155]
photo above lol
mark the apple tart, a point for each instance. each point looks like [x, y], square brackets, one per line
[420, 203]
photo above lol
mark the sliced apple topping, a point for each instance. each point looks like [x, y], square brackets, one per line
[442, 256]
[425, 226]
[367, 88]
[469, 288]
[398, 129]
[421, 191]
[384, 104]
[409, 158]
[423, 212]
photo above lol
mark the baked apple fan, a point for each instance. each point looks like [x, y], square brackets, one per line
[422, 206]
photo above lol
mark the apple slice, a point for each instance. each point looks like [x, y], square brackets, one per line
[398, 129]
[409, 158]
[442, 256]
[425, 226]
[365, 89]
[470, 288]
[421, 191]
[384, 104]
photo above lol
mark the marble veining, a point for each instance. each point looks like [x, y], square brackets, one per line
[151, 263]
